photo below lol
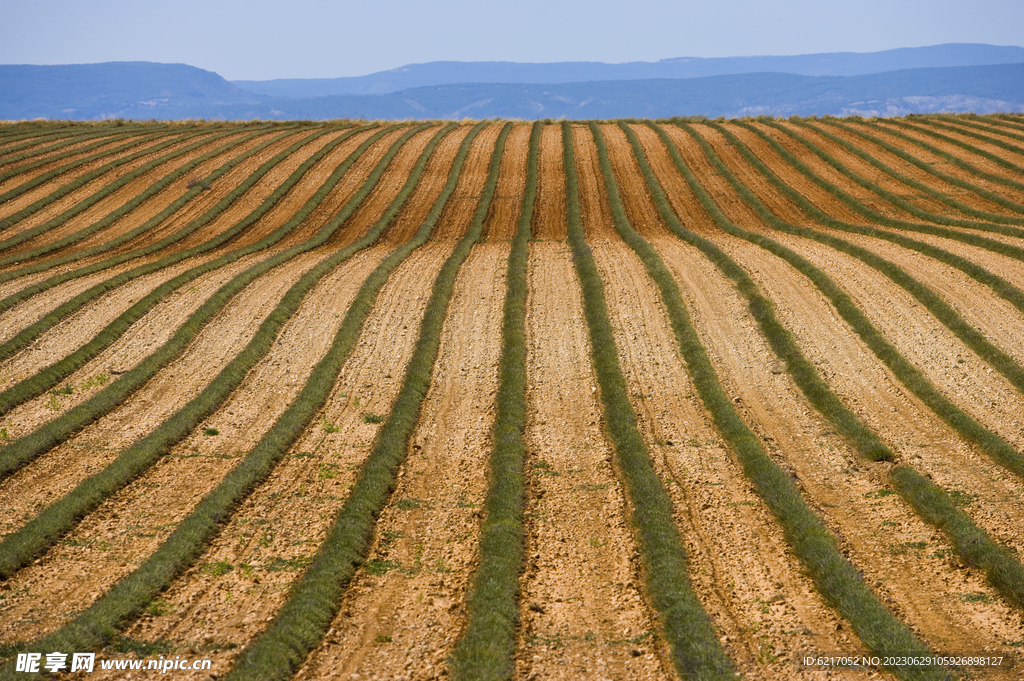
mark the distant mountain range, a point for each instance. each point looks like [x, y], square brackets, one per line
[978, 78]
[454, 72]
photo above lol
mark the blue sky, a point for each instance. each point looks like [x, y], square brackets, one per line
[259, 39]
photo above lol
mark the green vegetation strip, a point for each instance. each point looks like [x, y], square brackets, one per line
[82, 180]
[995, 446]
[100, 194]
[696, 652]
[944, 155]
[945, 122]
[126, 208]
[487, 648]
[145, 228]
[892, 197]
[11, 155]
[933, 504]
[837, 580]
[935, 194]
[97, 625]
[929, 168]
[943, 311]
[878, 218]
[60, 170]
[932, 130]
[313, 602]
[21, 546]
[25, 449]
[52, 375]
[985, 124]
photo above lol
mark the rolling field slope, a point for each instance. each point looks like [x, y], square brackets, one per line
[501, 400]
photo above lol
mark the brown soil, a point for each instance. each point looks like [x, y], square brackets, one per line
[939, 163]
[841, 487]
[549, 207]
[583, 612]
[399, 618]
[508, 198]
[60, 179]
[276, 530]
[868, 172]
[906, 168]
[458, 213]
[97, 211]
[974, 159]
[428, 189]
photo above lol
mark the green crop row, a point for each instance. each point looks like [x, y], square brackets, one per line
[876, 217]
[60, 170]
[145, 228]
[486, 650]
[836, 579]
[130, 205]
[892, 197]
[313, 602]
[946, 156]
[70, 137]
[945, 313]
[986, 124]
[911, 377]
[935, 194]
[99, 623]
[52, 375]
[931, 502]
[21, 546]
[932, 132]
[929, 168]
[23, 450]
[82, 180]
[100, 194]
[944, 122]
[695, 649]
[1000, 286]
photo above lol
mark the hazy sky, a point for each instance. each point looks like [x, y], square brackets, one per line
[260, 39]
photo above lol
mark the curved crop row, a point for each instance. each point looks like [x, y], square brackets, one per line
[57, 519]
[81, 180]
[12, 155]
[875, 217]
[97, 196]
[943, 311]
[937, 121]
[36, 385]
[928, 167]
[76, 163]
[486, 649]
[144, 228]
[892, 197]
[130, 205]
[23, 450]
[836, 579]
[921, 186]
[946, 156]
[928, 130]
[998, 448]
[96, 625]
[313, 602]
[930, 501]
[696, 651]
[971, 121]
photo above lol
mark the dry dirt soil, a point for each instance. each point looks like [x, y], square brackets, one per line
[585, 610]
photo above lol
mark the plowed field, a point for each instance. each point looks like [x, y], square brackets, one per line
[646, 400]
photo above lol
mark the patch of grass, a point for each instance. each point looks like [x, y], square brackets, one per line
[370, 417]
[218, 569]
[381, 638]
[279, 564]
[409, 503]
[329, 427]
[378, 567]
[210, 432]
[976, 597]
